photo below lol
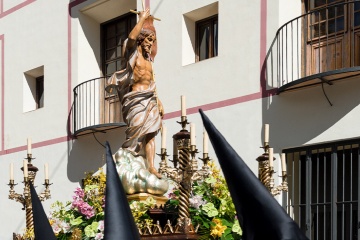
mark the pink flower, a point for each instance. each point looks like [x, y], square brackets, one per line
[99, 236]
[84, 208]
[79, 193]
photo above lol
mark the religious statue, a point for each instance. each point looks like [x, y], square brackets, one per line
[142, 110]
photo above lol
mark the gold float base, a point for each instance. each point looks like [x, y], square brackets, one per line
[160, 200]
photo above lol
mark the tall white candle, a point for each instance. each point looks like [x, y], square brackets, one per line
[271, 157]
[183, 106]
[283, 162]
[266, 133]
[192, 134]
[163, 137]
[11, 171]
[206, 141]
[25, 168]
[46, 170]
[29, 146]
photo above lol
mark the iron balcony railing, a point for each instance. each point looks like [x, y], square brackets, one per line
[315, 47]
[94, 109]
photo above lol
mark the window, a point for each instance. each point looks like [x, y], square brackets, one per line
[114, 33]
[207, 38]
[33, 89]
[39, 92]
[333, 34]
[323, 192]
[200, 34]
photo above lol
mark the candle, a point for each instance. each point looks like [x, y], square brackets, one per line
[283, 162]
[29, 146]
[163, 137]
[192, 134]
[25, 168]
[11, 171]
[175, 149]
[266, 132]
[205, 143]
[46, 170]
[271, 157]
[183, 106]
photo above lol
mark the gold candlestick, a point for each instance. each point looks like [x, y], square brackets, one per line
[266, 173]
[184, 172]
[25, 197]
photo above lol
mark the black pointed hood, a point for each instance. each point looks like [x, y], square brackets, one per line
[42, 227]
[260, 215]
[119, 222]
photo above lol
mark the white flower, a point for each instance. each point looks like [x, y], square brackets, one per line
[65, 227]
[99, 236]
[196, 201]
[56, 228]
[101, 225]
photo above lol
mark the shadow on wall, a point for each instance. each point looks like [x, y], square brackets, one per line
[298, 117]
[87, 155]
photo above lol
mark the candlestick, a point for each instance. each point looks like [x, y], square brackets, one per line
[271, 158]
[283, 162]
[192, 134]
[266, 133]
[46, 170]
[29, 146]
[183, 106]
[163, 137]
[175, 149]
[25, 168]
[205, 143]
[11, 171]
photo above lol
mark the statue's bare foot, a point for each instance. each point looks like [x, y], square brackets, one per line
[153, 171]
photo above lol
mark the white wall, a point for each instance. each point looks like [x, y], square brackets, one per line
[228, 85]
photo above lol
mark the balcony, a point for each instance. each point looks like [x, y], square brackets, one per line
[94, 109]
[318, 47]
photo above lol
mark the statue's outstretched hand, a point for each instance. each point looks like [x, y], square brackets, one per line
[144, 14]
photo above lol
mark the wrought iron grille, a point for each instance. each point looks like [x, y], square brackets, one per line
[94, 109]
[323, 195]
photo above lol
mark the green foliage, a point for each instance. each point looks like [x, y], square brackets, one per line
[211, 208]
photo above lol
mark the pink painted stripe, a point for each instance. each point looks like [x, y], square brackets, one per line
[2, 93]
[215, 105]
[75, 3]
[13, 9]
[69, 63]
[147, 3]
[263, 23]
[35, 145]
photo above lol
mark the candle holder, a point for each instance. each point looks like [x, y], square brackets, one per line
[25, 197]
[183, 173]
[183, 122]
[266, 173]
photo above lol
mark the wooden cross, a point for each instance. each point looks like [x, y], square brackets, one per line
[143, 7]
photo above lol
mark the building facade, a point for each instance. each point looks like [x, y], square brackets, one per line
[291, 64]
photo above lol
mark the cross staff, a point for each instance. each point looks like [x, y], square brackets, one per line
[137, 12]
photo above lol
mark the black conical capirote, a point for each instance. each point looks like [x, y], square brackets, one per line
[260, 215]
[42, 227]
[119, 222]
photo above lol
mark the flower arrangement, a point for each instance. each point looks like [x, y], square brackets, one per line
[83, 218]
[211, 208]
